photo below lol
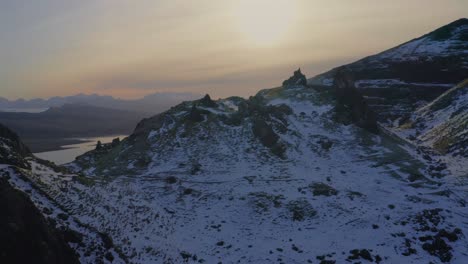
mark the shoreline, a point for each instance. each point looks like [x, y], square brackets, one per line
[56, 144]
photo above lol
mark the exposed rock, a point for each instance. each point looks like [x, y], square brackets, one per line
[298, 79]
[438, 247]
[195, 115]
[115, 142]
[352, 103]
[98, 145]
[301, 209]
[323, 189]
[12, 149]
[207, 102]
[268, 137]
[360, 254]
[264, 132]
[263, 201]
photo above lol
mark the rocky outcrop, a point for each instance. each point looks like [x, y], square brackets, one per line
[351, 103]
[195, 115]
[268, 137]
[298, 79]
[26, 237]
[22, 149]
[206, 101]
[263, 124]
[12, 149]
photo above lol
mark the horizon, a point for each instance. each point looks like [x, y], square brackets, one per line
[129, 50]
[101, 95]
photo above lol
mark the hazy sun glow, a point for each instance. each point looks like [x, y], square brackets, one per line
[230, 47]
[265, 22]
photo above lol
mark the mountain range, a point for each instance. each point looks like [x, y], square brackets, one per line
[150, 104]
[63, 125]
[352, 165]
[49, 124]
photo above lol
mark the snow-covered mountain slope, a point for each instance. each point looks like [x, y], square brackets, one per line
[397, 81]
[276, 178]
[442, 125]
[37, 222]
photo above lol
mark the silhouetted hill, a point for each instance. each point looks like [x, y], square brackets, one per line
[152, 104]
[69, 121]
[399, 80]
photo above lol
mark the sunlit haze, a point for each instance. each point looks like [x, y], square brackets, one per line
[131, 48]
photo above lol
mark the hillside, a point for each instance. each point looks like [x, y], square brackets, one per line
[34, 227]
[274, 178]
[398, 81]
[443, 124]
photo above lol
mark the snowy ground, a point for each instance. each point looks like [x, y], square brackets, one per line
[339, 189]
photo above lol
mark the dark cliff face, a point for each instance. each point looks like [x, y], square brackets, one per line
[15, 140]
[26, 236]
[351, 103]
[12, 149]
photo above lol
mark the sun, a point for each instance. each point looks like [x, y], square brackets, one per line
[265, 22]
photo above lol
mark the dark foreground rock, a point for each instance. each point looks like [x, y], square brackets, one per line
[26, 236]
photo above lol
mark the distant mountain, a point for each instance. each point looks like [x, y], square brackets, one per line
[44, 131]
[152, 104]
[399, 80]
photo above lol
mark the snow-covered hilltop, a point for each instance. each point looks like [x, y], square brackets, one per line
[397, 81]
[285, 176]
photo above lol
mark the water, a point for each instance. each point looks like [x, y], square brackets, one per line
[24, 110]
[70, 152]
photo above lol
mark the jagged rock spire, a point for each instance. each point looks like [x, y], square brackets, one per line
[298, 79]
[207, 101]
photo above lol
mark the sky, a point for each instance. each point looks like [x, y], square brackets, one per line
[129, 48]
